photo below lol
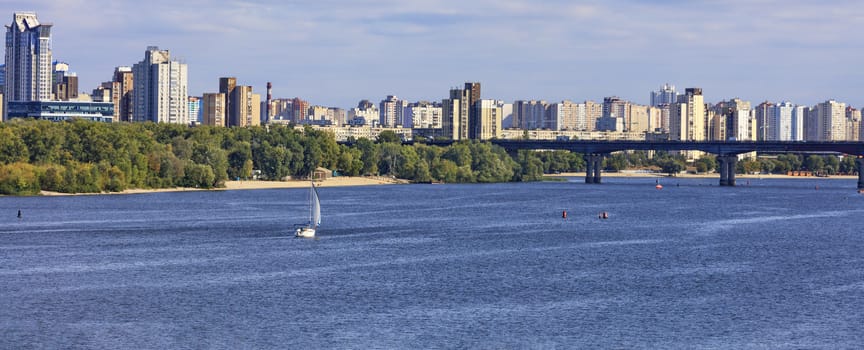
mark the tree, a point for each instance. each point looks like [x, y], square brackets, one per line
[672, 166]
[705, 164]
[388, 136]
[18, 179]
[814, 163]
[616, 162]
[12, 149]
[369, 156]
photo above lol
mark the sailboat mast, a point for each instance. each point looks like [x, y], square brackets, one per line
[311, 188]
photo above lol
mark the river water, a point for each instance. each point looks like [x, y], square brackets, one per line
[769, 264]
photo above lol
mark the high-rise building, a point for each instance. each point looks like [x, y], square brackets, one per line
[456, 111]
[780, 122]
[123, 76]
[391, 111]
[615, 108]
[64, 86]
[853, 124]
[593, 113]
[738, 125]
[214, 108]
[762, 113]
[531, 114]
[28, 59]
[831, 121]
[640, 118]
[2, 78]
[194, 109]
[798, 115]
[665, 96]
[226, 86]
[488, 123]
[687, 117]
[160, 89]
[563, 115]
[459, 125]
[423, 115]
[299, 110]
[246, 107]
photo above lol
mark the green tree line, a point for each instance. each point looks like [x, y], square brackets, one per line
[85, 157]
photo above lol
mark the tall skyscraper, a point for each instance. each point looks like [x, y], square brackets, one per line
[665, 96]
[160, 94]
[28, 59]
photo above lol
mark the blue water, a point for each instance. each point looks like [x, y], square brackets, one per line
[777, 264]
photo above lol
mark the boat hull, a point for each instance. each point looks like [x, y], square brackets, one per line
[305, 232]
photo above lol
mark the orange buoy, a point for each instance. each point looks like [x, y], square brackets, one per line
[659, 187]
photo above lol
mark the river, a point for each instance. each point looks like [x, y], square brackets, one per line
[769, 264]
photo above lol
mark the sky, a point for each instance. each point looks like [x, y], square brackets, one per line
[336, 53]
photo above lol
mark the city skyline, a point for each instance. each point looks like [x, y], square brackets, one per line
[339, 53]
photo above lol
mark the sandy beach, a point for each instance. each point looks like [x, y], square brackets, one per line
[257, 185]
[381, 180]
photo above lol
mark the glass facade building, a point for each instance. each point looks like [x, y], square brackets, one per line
[62, 110]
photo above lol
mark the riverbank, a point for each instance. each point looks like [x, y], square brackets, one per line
[340, 181]
[706, 175]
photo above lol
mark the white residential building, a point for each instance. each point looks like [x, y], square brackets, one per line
[160, 94]
[28, 59]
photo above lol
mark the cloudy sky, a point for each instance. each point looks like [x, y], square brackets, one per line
[336, 53]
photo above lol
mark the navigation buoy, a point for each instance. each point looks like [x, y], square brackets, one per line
[603, 215]
[564, 214]
[19, 213]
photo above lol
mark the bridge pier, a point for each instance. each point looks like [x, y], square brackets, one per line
[593, 166]
[728, 164]
[860, 163]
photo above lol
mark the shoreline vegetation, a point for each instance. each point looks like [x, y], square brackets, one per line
[43, 157]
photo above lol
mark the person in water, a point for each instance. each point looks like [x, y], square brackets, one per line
[19, 213]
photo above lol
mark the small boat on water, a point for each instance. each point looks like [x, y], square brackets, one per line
[308, 230]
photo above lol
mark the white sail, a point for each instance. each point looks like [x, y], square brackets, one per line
[316, 208]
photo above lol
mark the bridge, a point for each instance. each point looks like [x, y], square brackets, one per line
[726, 151]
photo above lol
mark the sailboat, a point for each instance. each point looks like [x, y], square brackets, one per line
[308, 230]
